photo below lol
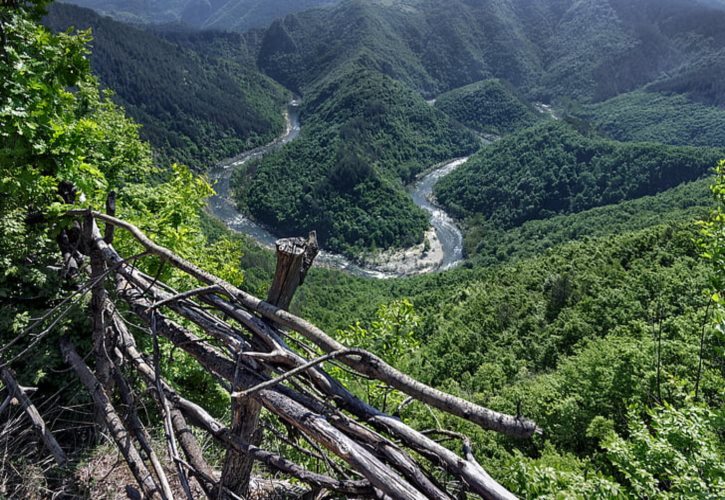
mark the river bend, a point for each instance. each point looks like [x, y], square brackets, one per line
[222, 206]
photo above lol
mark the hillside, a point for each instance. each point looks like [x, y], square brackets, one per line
[568, 337]
[548, 49]
[658, 117]
[430, 46]
[592, 300]
[238, 15]
[193, 108]
[364, 136]
[489, 106]
[553, 169]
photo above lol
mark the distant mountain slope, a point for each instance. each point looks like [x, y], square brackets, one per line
[431, 46]
[489, 106]
[659, 117]
[364, 135]
[584, 49]
[552, 169]
[194, 109]
[239, 15]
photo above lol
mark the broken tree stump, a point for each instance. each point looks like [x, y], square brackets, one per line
[294, 258]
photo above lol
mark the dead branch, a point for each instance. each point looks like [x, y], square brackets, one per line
[166, 412]
[311, 401]
[296, 371]
[202, 419]
[14, 390]
[115, 426]
[368, 364]
[142, 436]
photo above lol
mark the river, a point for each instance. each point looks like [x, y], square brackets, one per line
[222, 206]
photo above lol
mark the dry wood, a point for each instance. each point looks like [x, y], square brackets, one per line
[142, 436]
[306, 401]
[479, 483]
[194, 454]
[368, 365]
[118, 431]
[294, 258]
[197, 464]
[110, 210]
[6, 403]
[201, 418]
[14, 390]
[284, 407]
[166, 412]
[100, 330]
[482, 484]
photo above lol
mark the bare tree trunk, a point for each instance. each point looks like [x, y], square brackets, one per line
[294, 259]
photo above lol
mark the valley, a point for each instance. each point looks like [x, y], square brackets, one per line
[442, 248]
[518, 203]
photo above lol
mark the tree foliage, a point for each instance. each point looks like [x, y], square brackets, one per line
[553, 169]
[490, 106]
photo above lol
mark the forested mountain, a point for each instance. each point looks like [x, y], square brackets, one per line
[553, 169]
[239, 15]
[658, 117]
[591, 300]
[550, 49]
[196, 107]
[364, 136]
[571, 53]
[489, 106]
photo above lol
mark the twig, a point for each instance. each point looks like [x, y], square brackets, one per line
[186, 295]
[272, 382]
[165, 410]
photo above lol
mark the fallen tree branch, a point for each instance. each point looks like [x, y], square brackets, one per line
[368, 364]
[113, 423]
[201, 418]
[296, 371]
[166, 412]
[189, 294]
[142, 436]
[224, 369]
[14, 390]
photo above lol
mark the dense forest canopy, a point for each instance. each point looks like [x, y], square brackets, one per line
[364, 136]
[195, 107]
[489, 106]
[216, 15]
[591, 299]
[553, 169]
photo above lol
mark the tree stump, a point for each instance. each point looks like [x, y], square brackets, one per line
[294, 258]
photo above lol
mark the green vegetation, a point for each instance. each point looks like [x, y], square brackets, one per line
[364, 136]
[489, 106]
[552, 169]
[571, 339]
[239, 15]
[549, 50]
[195, 108]
[487, 244]
[612, 343]
[656, 117]
[428, 45]
[63, 142]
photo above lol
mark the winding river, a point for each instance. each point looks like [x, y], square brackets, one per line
[222, 206]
